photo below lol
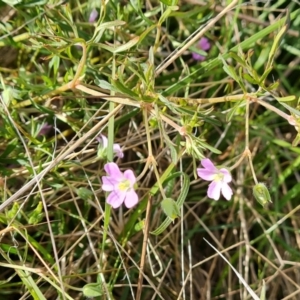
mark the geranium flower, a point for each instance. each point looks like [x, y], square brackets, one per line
[45, 128]
[103, 141]
[219, 177]
[93, 15]
[203, 44]
[120, 185]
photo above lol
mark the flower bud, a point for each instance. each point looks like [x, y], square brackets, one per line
[170, 208]
[92, 289]
[261, 194]
[36, 215]
[93, 15]
[13, 211]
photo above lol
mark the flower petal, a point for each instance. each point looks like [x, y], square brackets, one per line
[118, 151]
[205, 174]
[45, 128]
[214, 190]
[128, 174]
[102, 139]
[226, 175]
[204, 44]
[197, 56]
[109, 183]
[116, 198]
[113, 170]
[131, 199]
[207, 164]
[226, 191]
[93, 15]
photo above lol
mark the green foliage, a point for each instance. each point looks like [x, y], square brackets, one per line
[92, 290]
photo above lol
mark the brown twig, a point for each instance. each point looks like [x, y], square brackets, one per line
[143, 254]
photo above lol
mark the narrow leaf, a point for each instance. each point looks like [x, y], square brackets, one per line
[128, 45]
[275, 45]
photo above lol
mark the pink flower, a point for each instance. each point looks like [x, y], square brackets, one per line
[45, 128]
[93, 15]
[121, 186]
[203, 44]
[103, 141]
[220, 179]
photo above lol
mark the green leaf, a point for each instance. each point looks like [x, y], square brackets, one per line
[206, 67]
[9, 149]
[127, 45]
[7, 96]
[101, 29]
[233, 110]
[249, 78]
[228, 69]
[136, 4]
[286, 99]
[12, 2]
[167, 103]
[111, 24]
[146, 32]
[103, 84]
[209, 147]
[273, 86]
[30, 284]
[168, 11]
[263, 291]
[237, 58]
[13, 211]
[121, 88]
[296, 141]
[121, 48]
[275, 45]
[290, 108]
[167, 2]
[173, 152]
[179, 202]
[84, 193]
[36, 216]
[264, 76]
[54, 63]
[231, 72]
[92, 290]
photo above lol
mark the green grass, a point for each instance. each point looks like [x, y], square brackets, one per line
[130, 75]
